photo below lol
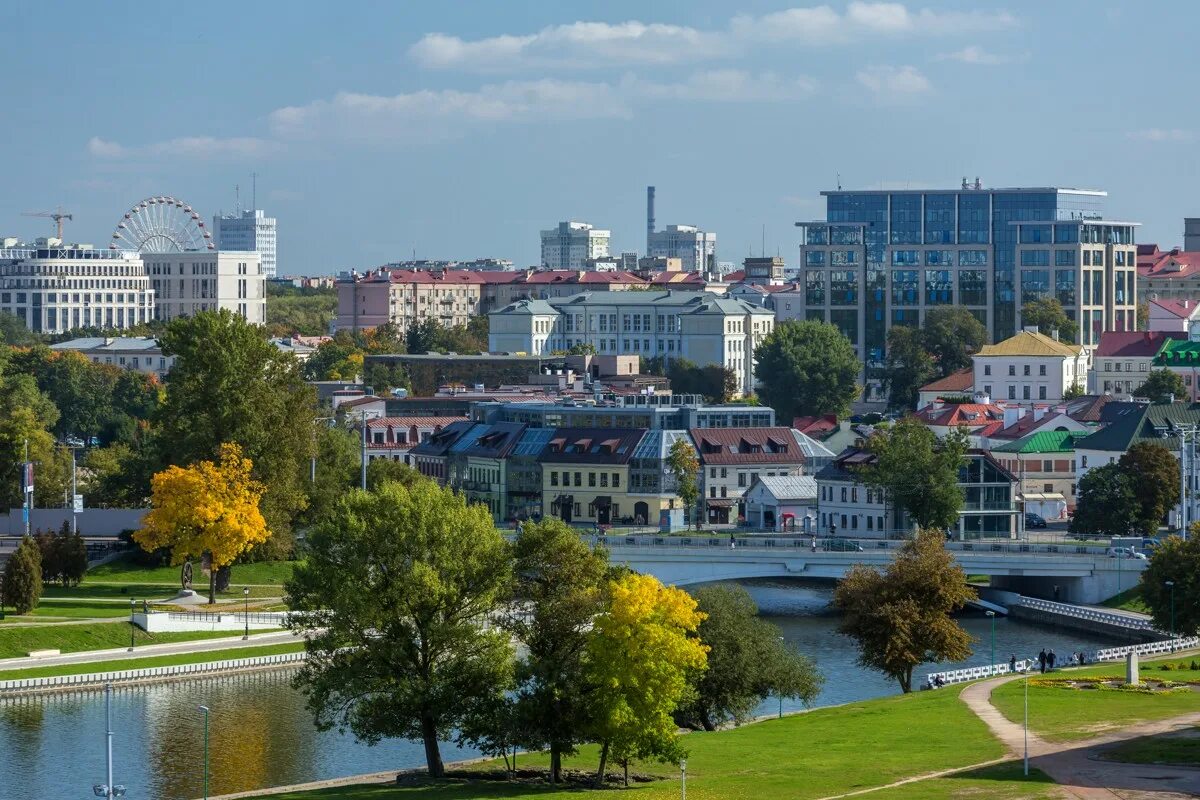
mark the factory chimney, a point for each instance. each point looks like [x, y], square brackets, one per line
[649, 216]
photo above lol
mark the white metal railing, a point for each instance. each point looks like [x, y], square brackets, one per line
[1148, 649]
[1083, 612]
[791, 542]
[92, 679]
[974, 673]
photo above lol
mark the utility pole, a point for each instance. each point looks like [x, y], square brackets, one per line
[27, 487]
[74, 494]
[364, 450]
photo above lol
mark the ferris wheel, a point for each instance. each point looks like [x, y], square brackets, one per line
[161, 225]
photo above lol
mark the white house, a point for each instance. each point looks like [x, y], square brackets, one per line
[782, 503]
[1030, 367]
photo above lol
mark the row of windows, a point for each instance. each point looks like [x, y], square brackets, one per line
[872, 495]
[592, 477]
[933, 258]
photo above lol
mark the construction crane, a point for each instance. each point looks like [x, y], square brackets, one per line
[57, 215]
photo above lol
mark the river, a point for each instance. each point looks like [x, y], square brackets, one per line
[261, 735]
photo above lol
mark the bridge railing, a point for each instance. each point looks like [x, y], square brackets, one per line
[835, 545]
[1083, 612]
[975, 673]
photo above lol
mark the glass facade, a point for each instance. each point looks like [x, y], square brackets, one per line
[972, 287]
[939, 218]
[843, 288]
[939, 289]
[905, 286]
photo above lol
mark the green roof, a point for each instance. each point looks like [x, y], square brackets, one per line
[1156, 422]
[1044, 442]
[1178, 351]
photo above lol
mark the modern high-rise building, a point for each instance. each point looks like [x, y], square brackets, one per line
[883, 258]
[694, 247]
[571, 244]
[188, 283]
[250, 230]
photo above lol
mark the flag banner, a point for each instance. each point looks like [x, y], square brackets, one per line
[27, 477]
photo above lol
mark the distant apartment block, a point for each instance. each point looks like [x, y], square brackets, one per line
[251, 230]
[696, 249]
[138, 353]
[187, 283]
[571, 244]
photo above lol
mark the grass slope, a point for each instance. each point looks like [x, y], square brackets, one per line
[812, 755]
[999, 782]
[125, 570]
[151, 661]
[1165, 749]
[1128, 600]
[73, 638]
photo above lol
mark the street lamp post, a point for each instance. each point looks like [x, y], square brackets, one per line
[246, 595]
[683, 779]
[108, 790]
[781, 640]
[1028, 663]
[205, 710]
[992, 616]
[132, 626]
[1171, 585]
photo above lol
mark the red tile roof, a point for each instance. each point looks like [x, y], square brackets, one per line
[676, 278]
[961, 381]
[408, 422]
[1131, 344]
[747, 446]
[1183, 309]
[955, 415]
[735, 276]
[572, 276]
[1166, 264]
[816, 427]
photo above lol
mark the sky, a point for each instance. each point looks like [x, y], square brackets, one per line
[458, 130]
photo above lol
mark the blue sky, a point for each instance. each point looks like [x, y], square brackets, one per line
[458, 130]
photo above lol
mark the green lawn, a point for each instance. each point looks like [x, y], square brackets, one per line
[810, 755]
[61, 607]
[124, 570]
[1128, 600]
[72, 638]
[152, 661]
[1163, 749]
[999, 782]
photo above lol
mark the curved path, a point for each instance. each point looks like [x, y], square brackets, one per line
[1073, 764]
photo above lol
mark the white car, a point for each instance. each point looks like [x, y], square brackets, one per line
[1125, 552]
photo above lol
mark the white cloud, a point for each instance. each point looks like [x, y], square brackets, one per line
[724, 85]
[894, 82]
[974, 54]
[1163, 135]
[366, 116]
[594, 44]
[195, 147]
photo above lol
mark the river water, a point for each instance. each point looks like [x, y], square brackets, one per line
[261, 734]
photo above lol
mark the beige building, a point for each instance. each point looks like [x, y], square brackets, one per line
[187, 283]
[1030, 367]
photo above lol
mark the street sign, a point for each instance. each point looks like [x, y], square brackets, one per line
[77, 507]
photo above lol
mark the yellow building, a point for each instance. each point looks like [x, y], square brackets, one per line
[585, 477]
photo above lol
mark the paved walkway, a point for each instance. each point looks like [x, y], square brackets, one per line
[144, 651]
[1073, 764]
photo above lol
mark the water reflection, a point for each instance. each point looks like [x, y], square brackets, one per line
[262, 735]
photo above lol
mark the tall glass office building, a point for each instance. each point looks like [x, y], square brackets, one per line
[882, 258]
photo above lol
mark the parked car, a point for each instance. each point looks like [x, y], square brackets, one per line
[841, 546]
[1034, 520]
[1149, 543]
[1125, 552]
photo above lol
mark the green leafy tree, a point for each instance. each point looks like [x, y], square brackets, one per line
[338, 463]
[50, 554]
[23, 577]
[582, 349]
[13, 331]
[918, 471]
[381, 471]
[807, 369]
[28, 416]
[1048, 315]
[424, 336]
[747, 661]
[901, 616]
[907, 366]
[560, 588]
[952, 334]
[338, 359]
[1105, 503]
[1177, 561]
[117, 476]
[1143, 316]
[685, 469]
[1162, 385]
[230, 385]
[307, 311]
[717, 384]
[1154, 477]
[73, 553]
[393, 590]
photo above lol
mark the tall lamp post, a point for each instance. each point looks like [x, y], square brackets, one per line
[108, 790]
[992, 616]
[683, 779]
[132, 625]
[1028, 664]
[246, 616]
[1171, 585]
[205, 710]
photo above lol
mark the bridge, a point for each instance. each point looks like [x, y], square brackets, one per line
[1079, 573]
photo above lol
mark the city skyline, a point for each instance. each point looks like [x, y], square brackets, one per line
[461, 132]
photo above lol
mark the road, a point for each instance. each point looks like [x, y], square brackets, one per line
[174, 648]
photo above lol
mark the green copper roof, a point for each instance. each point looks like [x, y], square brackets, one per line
[1044, 442]
[1178, 352]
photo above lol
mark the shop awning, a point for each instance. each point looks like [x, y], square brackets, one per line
[723, 502]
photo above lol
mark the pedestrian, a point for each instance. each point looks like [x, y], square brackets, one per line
[1042, 660]
[1056, 593]
[1050, 659]
[1012, 662]
[814, 544]
[732, 541]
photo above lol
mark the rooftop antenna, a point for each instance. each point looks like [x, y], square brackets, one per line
[839, 181]
[253, 190]
[237, 194]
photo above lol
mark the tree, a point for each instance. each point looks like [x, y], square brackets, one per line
[1176, 560]
[229, 384]
[299, 310]
[641, 653]
[918, 472]
[901, 617]
[339, 460]
[717, 384]
[207, 508]
[1162, 385]
[561, 587]
[907, 366]
[424, 336]
[1105, 503]
[13, 331]
[73, 554]
[338, 359]
[582, 349]
[117, 476]
[27, 416]
[23, 577]
[807, 369]
[1143, 316]
[50, 555]
[685, 467]
[393, 592]
[1154, 477]
[383, 470]
[747, 661]
[1048, 315]
[952, 334]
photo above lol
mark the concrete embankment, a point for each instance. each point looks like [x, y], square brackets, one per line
[1121, 626]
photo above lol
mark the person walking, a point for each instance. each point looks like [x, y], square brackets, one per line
[1042, 660]
[1012, 662]
[732, 541]
[1050, 659]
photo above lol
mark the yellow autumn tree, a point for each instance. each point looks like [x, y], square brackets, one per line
[208, 508]
[643, 656]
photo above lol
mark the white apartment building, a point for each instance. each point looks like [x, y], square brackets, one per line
[698, 326]
[54, 287]
[187, 283]
[571, 244]
[693, 247]
[252, 230]
[139, 353]
[1030, 367]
